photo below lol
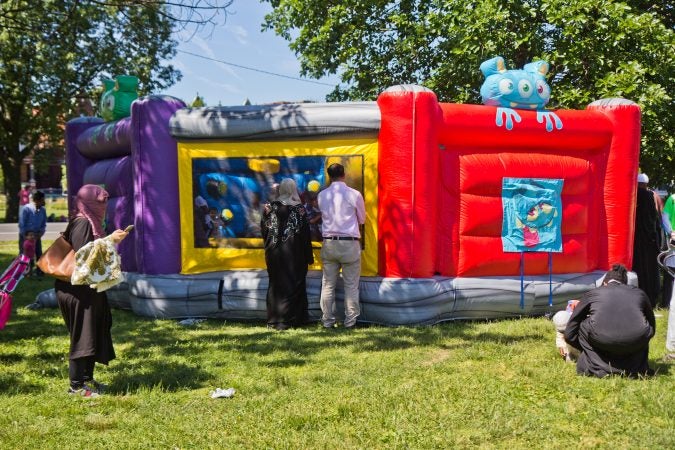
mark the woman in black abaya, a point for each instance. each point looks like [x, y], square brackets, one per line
[646, 243]
[288, 252]
[86, 311]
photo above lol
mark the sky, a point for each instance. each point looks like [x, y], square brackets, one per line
[240, 41]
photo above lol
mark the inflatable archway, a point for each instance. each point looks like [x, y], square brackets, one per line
[437, 178]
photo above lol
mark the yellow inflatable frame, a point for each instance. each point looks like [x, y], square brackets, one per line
[199, 260]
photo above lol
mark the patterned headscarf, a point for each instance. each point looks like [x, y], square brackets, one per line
[288, 192]
[90, 203]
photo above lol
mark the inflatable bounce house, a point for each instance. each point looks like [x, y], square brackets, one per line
[473, 211]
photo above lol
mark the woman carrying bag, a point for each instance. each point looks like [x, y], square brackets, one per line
[86, 311]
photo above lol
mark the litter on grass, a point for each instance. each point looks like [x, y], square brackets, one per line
[222, 393]
[190, 322]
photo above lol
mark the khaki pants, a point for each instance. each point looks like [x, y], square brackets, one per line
[336, 255]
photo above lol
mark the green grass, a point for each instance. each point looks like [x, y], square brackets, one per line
[497, 384]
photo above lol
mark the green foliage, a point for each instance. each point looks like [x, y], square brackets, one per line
[198, 102]
[596, 48]
[51, 51]
[498, 384]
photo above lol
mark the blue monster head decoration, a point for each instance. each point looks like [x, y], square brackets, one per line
[523, 89]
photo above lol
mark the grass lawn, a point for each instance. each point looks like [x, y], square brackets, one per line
[497, 384]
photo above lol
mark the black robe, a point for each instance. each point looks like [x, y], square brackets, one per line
[85, 311]
[646, 244]
[612, 326]
[288, 251]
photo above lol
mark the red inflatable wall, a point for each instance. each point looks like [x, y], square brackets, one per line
[441, 179]
[408, 166]
[618, 213]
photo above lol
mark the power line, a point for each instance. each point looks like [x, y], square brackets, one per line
[254, 69]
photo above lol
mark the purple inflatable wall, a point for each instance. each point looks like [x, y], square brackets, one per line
[76, 163]
[136, 160]
[155, 162]
[111, 140]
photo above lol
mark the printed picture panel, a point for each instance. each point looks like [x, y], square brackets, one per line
[230, 193]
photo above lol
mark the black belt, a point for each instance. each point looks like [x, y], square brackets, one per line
[340, 238]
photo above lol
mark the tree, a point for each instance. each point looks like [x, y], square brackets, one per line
[596, 49]
[53, 52]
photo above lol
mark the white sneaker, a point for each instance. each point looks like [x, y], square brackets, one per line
[84, 391]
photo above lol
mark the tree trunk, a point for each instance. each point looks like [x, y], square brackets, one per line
[11, 168]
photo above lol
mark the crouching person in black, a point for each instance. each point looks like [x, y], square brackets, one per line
[611, 326]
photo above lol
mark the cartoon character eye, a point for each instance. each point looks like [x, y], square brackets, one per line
[110, 102]
[505, 86]
[524, 88]
[546, 208]
[543, 90]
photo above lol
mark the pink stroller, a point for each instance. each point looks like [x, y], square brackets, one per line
[8, 282]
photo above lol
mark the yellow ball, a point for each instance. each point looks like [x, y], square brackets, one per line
[227, 214]
[313, 186]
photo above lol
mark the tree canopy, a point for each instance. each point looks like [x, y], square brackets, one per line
[53, 52]
[596, 49]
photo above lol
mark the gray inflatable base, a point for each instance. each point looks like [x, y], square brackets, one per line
[387, 301]
[44, 299]
[118, 297]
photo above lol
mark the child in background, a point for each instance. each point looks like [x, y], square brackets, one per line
[214, 224]
[29, 251]
[226, 230]
[313, 215]
[560, 319]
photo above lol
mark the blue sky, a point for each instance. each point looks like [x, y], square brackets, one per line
[240, 41]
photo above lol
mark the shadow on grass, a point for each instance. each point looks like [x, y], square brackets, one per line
[661, 368]
[168, 376]
[286, 362]
[144, 338]
[13, 383]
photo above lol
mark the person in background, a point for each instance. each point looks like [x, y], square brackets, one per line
[214, 224]
[560, 320]
[85, 311]
[199, 214]
[273, 193]
[29, 251]
[669, 210]
[611, 327]
[670, 273]
[253, 215]
[34, 218]
[313, 215]
[288, 252]
[646, 241]
[342, 211]
[227, 218]
[24, 197]
[668, 219]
